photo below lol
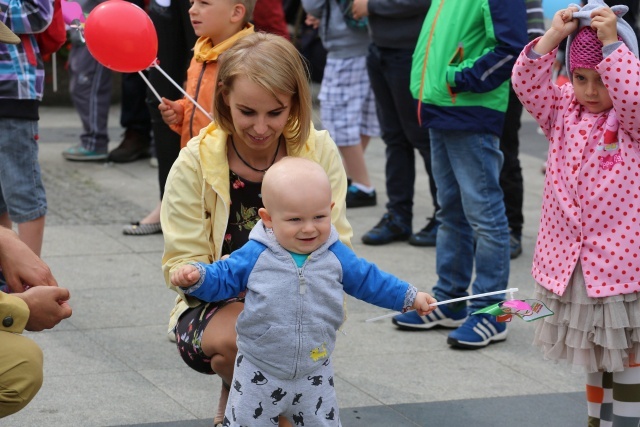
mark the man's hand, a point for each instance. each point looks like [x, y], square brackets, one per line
[47, 306]
[20, 265]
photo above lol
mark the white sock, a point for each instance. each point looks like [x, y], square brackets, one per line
[363, 187]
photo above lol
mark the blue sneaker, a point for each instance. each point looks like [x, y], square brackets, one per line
[388, 230]
[478, 331]
[81, 154]
[442, 317]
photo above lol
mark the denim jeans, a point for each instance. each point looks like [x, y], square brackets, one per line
[389, 73]
[473, 224]
[22, 193]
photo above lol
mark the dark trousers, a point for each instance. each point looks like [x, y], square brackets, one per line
[511, 175]
[389, 72]
[134, 114]
[175, 43]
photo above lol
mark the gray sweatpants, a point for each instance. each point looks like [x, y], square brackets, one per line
[90, 89]
[257, 398]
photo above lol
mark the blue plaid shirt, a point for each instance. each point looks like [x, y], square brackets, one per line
[21, 67]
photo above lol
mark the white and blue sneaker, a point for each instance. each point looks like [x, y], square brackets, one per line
[478, 331]
[442, 317]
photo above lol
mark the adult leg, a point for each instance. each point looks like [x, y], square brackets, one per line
[21, 372]
[175, 41]
[134, 118]
[90, 88]
[476, 162]
[511, 180]
[454, 247]
[389, 72]
[384, 68]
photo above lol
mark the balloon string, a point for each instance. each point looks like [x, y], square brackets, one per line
[155, 92]
[155, 64]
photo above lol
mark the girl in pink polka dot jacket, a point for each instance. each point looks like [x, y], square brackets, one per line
[587, 256]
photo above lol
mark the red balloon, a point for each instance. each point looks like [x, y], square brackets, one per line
[121, 36]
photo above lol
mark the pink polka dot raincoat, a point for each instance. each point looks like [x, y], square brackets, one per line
[591, 200]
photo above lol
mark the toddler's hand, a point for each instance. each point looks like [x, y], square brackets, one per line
[421, 303]
[172, 112]
[185, 276]
[604, 23]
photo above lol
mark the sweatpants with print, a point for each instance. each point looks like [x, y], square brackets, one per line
[90, 89]
[258, 398]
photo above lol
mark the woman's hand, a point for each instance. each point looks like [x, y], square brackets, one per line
[172, 112]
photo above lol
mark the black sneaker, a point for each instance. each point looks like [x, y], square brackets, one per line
[357, 198]
[389, 229]
[426, 236]
[134, 146]
[515, 245]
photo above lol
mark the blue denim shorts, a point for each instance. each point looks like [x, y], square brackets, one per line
[21, 190]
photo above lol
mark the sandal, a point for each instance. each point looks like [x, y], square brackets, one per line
[137, 229]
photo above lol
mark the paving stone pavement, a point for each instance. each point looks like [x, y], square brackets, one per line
[111, 364]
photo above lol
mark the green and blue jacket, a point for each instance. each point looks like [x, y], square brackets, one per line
[463, 60]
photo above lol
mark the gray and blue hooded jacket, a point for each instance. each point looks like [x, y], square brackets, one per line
[291, 315]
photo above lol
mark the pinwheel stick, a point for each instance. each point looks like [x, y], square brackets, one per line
[449, 301]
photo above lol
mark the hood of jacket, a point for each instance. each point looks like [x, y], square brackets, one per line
[260, 233]
[206, 51]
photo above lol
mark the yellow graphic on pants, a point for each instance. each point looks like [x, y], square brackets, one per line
[319, 353]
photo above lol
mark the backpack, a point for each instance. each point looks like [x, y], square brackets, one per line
[55, 36]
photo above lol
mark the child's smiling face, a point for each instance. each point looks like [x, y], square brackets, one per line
[590, 91]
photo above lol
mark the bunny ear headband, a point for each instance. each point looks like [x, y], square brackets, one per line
[625, 32]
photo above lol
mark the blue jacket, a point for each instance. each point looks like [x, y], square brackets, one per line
[291, 315]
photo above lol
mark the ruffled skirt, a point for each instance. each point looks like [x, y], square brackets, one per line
[591, 334]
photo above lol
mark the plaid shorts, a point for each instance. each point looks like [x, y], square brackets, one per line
[347, 104]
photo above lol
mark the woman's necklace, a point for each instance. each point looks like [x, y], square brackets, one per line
[248, 165]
